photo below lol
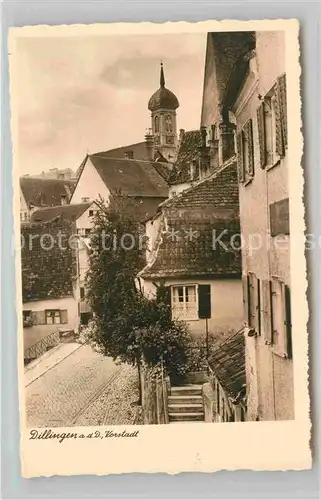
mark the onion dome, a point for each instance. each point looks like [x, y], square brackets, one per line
[163, 98]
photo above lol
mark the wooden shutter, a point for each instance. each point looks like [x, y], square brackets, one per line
[278, 126]
[261, 132]
[39, 317]
[246, 303]
[267, 311]
[287, 321]
[63, 316]
[283, 108]
[249, 137]
[204, 301]
[240, 158]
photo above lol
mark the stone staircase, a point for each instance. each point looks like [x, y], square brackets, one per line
[185, 404]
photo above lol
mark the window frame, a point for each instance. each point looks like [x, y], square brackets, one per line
[183, 315]
[52, 313]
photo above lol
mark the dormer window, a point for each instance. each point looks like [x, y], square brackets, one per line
[63, 199]
[129, 155]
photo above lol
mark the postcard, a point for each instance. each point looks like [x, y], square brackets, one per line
[159, 235]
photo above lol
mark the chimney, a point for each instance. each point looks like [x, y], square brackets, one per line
[129, 155]
[149, 139]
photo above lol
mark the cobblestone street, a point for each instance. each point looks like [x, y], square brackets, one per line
[84, 388]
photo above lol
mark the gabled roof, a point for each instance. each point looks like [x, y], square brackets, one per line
[45, 192]
[139, 149]
[188, 152]
[70, 212]
[130, 177]
[192, 219]
[228, 364]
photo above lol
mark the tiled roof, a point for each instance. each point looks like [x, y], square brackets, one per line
[228, 364]
[139, 150]
[147, 207]
[48, 267]
[193, 220]
[130, 177]
[45, 192]
[188, 151]
[69, 212]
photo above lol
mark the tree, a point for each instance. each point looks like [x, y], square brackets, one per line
[128, 326]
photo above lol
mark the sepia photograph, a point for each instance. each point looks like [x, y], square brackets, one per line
[153, 177]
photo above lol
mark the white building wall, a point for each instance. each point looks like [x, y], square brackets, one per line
[69, 303]
[90, 185]
[226, 304]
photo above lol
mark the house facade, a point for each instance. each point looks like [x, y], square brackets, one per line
[81, 216]
[204, 278]
[245, 94]
[144, 182]
[49, 277]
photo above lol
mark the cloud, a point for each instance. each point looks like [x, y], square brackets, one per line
[90, 93]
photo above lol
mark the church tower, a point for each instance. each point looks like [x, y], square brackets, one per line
[163, 105]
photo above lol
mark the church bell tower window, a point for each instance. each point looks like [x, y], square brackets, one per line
[169, 124]
[156, 124]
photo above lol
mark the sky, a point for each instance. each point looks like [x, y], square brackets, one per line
[79, 95]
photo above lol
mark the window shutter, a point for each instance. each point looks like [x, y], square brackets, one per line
[204, 301]
[267, 311]
[64, 316]
[278, 127]
[240, 159]
[39, 317]
[287, 321]
[261, 131]
[283, 109]
[246, 303]
[249, 136]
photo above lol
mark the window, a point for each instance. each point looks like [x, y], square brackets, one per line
[26, 314]
[82, 293]
[184, 304]
[53, 317]
[91, 213]
[84, 232]
[272, 124]
[245, 159]
[168, 124]
[156, 123]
